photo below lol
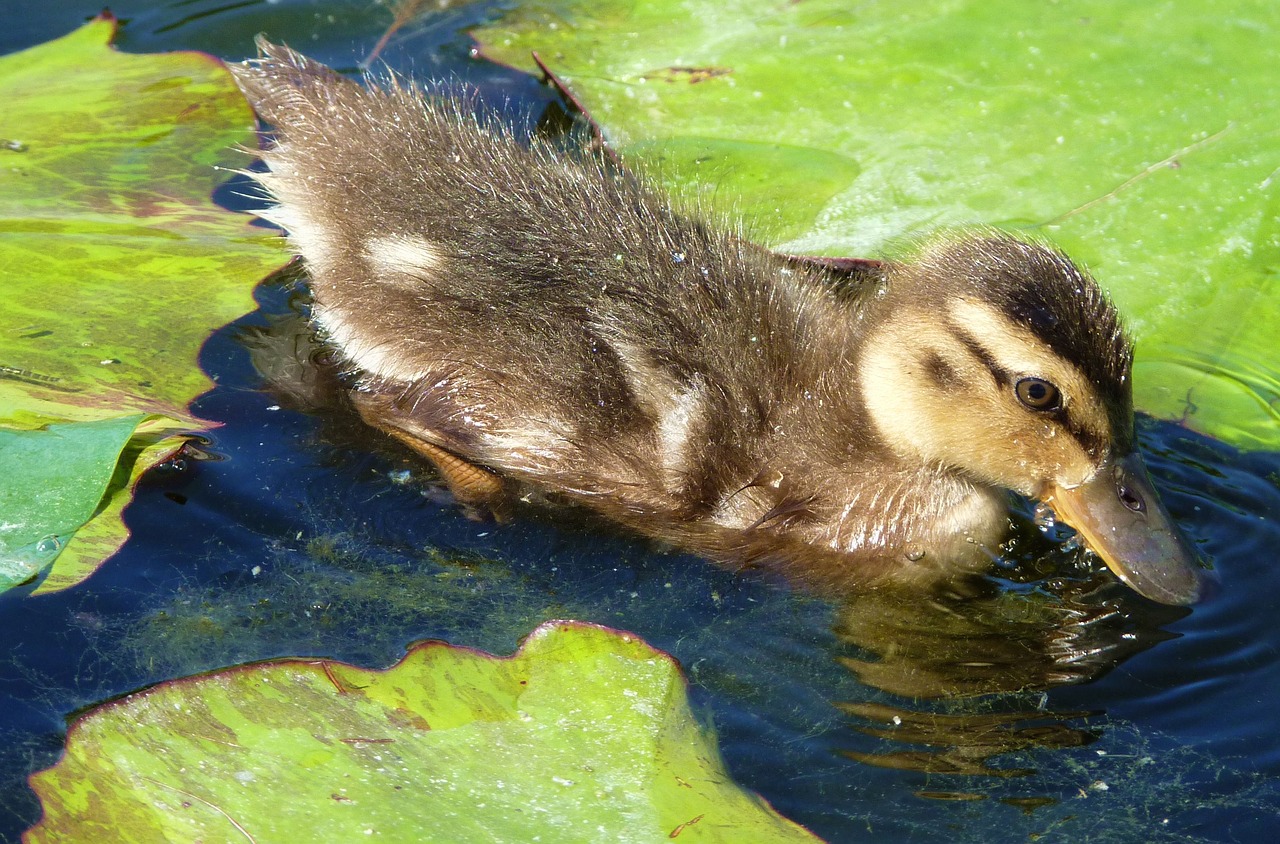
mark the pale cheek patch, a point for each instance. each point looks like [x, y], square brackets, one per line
[895, 389]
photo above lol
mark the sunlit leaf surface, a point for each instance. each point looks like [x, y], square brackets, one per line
[1141, 137]
[115, 263]
[585, 734]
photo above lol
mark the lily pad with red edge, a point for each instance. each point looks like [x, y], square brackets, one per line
[115, 262]
[584, 734]
[1140, 137]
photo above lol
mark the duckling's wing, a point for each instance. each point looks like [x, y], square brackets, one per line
[446, 268]
[541, 314]
[847, 277]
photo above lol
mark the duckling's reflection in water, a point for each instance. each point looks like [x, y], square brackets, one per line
[971, 661]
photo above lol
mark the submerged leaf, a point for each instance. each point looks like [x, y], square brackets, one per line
[585, 734]
[115, 263]
[1141, 138]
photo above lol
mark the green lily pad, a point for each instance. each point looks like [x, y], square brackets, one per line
[54, 480]
[585, 734]
[116, 264]
[152, 442]
[1141, 138]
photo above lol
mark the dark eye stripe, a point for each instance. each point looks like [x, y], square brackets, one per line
[1094, 444]
[1003, 376]
[940, 371]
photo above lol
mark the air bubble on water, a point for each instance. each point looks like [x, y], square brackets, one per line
[20, 564]
[1043, 517]
[48, 546]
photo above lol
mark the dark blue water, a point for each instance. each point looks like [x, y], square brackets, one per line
[1052, 706]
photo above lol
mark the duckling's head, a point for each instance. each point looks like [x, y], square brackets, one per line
[1004, 361]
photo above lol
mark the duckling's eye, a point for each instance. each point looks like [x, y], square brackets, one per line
[1038, 394]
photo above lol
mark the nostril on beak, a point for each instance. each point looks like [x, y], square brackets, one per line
[1128, 494]
[1131, 498]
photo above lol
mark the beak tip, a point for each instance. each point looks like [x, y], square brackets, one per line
[1207, 583]
[1119, 515]
[1184, 583]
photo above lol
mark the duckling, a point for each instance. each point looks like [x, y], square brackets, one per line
[532, 319]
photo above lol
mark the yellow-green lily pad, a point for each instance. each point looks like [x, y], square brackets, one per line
[585, 734]
[1139, 136]
[116, 264]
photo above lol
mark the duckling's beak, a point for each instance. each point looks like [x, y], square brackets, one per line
[1119, 516]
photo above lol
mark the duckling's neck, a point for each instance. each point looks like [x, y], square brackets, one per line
[858, 497]
[790, 453]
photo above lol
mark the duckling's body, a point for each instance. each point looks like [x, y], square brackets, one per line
[529, 319]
